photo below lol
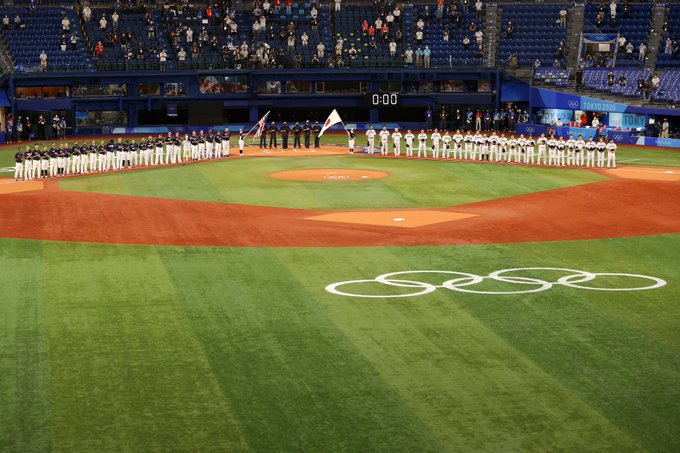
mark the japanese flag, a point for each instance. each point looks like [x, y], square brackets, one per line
[333, 118]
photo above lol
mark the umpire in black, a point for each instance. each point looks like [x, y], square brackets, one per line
[297, 130]
[272, 136]
[316, 129]
[307, 129]
[285, 130]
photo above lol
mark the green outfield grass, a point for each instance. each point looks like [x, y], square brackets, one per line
[142, 348]
[411, 183]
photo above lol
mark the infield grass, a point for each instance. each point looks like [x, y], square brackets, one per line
[142, 348]
[411, 183]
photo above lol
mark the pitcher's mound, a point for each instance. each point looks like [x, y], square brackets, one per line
[328, 174]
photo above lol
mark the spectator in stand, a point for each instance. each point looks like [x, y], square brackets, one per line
[655, 82]
[99, 49]
[181, 55]
[163, 59]
[62, 43]
[320, 50]
[509, 29]
[364, 27]
[114, 19]
[479, 9]
[313, 13]
[65, 24]
[610, 78]
[641, 87]
[537, 63]
[5, 22]
[43, 61]
[420, 25]
[87, 13]
[622, 80]
[102, 23]
[393, 48]
[389, 20]
[466, 43]
[304, 39]
[622, 42]
[563, 17]
[74, 42]
[408, 57]
[479, 37]
[419, 57]
[426, 57]
[629, 49]
[445, 34]
[371, 32]
[612, 11]
[397, 15]
[338, 5]
[289, 6]
[419, 37]
[291, 43]
[668, 50]
[642, 51]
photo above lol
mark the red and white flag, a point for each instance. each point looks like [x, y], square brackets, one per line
[333, 118]
[261, 124]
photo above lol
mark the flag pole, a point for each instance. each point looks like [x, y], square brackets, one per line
[258, 121]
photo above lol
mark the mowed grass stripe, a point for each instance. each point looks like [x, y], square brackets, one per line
[24, 379]
[294, 380]
[126, 372]
[617, 368]
[411, 184]
[472, 388]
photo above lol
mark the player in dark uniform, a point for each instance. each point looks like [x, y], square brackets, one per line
[285, 130]
[316, 129]
[18, 165]
[217, 144]
[263, 139]
[306, 130]
[273, 130]
[226, 136]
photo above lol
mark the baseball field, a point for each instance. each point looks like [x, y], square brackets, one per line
[322, 302]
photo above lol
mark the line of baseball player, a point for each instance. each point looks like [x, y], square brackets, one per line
[62, 159]
[496, 148]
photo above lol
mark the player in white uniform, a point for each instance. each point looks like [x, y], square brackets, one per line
[468, 144]
[590, 152]
[484, 150]
[422, 143]
[436, 138]
[370, 137]
[384, 137]
[521, 155]
[502, 144]
[396, 142]
[493, 147]
[579, 151]
[552, 150]
[611, 154]
[408, 138]
[561, 151]
[476, 146]
[446, 140]
[542, 146]
[186, 148]
[351, 137]
[457, 144]
[601, 147]
[512, 149]
[571, 151]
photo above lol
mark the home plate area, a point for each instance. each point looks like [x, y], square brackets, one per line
[400, 219]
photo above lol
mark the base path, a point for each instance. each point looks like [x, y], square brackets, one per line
[615, 208]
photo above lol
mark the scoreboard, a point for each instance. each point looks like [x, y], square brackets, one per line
[382, 100]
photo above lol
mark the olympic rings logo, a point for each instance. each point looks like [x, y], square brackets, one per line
[464, 282]
[573, 104]
[618, 137]
[531, 130]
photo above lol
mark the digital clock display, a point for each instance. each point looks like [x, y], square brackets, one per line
[383, 99]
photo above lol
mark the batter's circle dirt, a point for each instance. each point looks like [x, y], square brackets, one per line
[328, 174]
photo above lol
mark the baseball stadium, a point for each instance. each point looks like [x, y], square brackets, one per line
[339, 226]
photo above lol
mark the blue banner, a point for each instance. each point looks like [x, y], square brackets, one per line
[530, 129]
[627, 120]
[585, 132]
[619, 136]
[551, 116]
[652, 141]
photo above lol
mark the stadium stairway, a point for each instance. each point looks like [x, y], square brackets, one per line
[654, 44]
[575, 16]
[492, 27]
